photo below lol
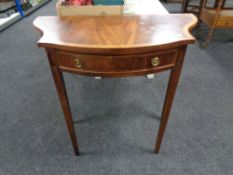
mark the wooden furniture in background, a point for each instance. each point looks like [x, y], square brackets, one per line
[189, 7]
[116, 46]
[217, 16]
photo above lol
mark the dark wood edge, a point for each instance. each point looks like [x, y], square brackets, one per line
[118, 74]
[152, 53]
[117, 51]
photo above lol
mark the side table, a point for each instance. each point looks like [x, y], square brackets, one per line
[116, 46]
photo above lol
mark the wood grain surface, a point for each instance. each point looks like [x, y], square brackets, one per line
[115, 34]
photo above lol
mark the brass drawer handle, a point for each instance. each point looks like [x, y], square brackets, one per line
[155, 61]
[78, 63]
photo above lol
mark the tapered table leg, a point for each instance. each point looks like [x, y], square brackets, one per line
[61, 90]
[171, 89]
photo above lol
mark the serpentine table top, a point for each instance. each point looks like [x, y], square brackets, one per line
[115, 34]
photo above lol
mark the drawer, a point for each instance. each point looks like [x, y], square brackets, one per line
[116, 64]
[225, 23]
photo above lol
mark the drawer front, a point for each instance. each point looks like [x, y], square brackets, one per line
[109, 64]
[225, 23]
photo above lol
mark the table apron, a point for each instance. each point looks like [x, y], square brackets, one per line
[116, 66]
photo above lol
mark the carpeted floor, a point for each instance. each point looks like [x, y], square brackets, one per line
[116, 119]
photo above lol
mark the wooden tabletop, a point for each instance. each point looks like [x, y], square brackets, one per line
[115, 34]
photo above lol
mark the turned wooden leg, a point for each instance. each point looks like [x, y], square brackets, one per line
[201, 4]
[171, 89]
[197, 29]
[184, 6]
[209, 36]
[61, 90]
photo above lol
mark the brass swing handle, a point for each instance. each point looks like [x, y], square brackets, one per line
[155, 61]
[78, 63]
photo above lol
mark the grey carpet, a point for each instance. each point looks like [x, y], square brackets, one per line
[116, 119]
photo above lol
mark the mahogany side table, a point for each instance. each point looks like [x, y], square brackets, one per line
[116, 46]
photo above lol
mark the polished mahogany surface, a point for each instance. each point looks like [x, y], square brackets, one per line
[115, 34]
